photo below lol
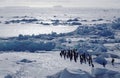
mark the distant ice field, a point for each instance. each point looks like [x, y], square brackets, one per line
[15, 30]
[85, 16]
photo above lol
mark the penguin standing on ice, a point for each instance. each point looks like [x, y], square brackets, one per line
[113, 60]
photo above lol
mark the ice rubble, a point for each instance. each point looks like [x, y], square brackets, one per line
[96, 73]
[105, 73]
[68, 73]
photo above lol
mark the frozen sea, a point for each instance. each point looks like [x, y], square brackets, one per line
[85, 16]
[48, 64]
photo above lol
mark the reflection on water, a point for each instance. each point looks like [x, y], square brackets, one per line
[26, 29]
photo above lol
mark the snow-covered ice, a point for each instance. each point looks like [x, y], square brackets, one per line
[45, 64]
[88, 30]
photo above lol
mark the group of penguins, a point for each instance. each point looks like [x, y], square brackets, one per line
[74, 55]
[83, 58]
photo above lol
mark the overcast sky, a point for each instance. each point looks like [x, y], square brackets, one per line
[65, 3]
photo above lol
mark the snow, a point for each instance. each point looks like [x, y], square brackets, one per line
[29, 29]
[44, 64]
[67, 73]
[47, 64]
[100, 60]
[42, 18]
[105, 73]
[96, 73]
[102, 40]
[74, 74]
